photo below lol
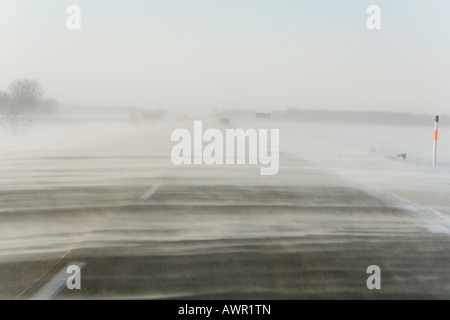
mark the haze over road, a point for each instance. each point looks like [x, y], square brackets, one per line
[145, 228]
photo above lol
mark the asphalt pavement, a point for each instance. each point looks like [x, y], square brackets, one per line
[143, 228]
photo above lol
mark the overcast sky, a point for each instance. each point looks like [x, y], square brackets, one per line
[199, 54]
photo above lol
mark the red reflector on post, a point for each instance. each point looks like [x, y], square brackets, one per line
[435, 135]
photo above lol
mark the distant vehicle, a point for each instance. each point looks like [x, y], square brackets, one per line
[402, 155]
[260, 115]
[225, 122]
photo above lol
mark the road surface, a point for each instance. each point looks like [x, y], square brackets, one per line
[144, 228]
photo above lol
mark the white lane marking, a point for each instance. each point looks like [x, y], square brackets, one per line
[51, 289]
[147, 194]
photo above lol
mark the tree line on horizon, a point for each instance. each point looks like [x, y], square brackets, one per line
[337, 116]
[355, 117]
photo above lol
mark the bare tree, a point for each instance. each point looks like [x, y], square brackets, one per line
[23, 100]
[24, 97]
[25, 94]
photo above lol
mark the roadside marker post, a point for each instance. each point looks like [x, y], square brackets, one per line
[435, 141]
